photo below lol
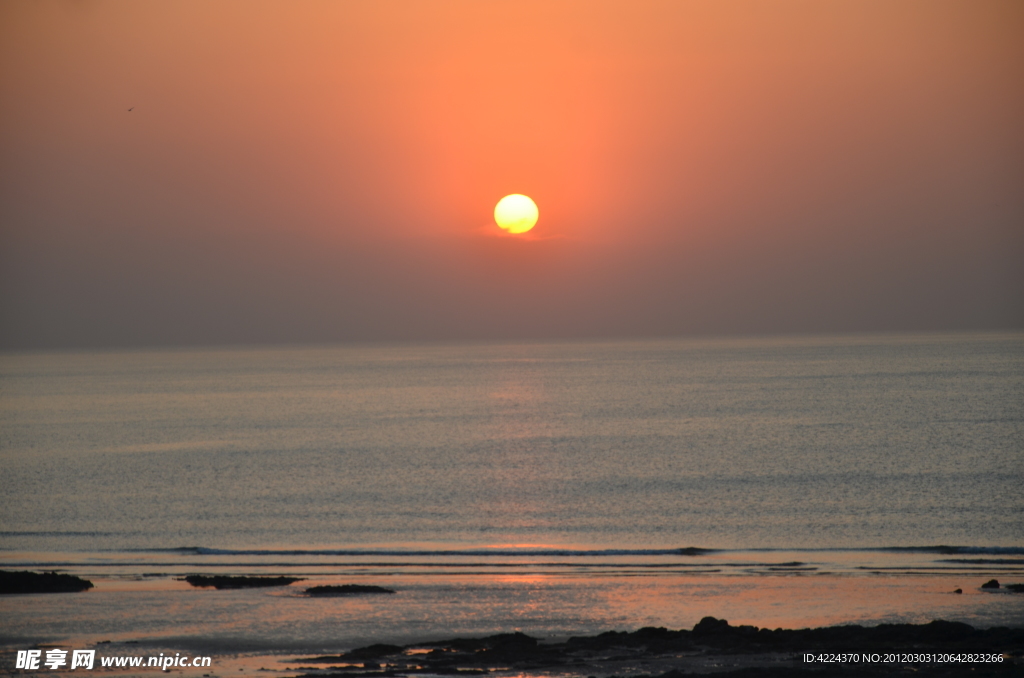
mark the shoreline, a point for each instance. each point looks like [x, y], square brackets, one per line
[712, 646]
[547, 626]
[161, 614]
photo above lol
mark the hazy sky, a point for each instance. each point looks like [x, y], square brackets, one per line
[325, 171]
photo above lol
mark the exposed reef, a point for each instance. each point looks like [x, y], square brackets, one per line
[345, 590]
[41, 582]
[221, 582]
[713, 646]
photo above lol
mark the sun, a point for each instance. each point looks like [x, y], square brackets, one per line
[516, 213]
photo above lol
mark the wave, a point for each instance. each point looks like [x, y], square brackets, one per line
[399, 552]
[504, 552]
[956, 550]
[58, 533]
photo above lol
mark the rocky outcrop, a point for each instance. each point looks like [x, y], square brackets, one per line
[221, 582]
[668, 649]
[41, 582]
[346, 590]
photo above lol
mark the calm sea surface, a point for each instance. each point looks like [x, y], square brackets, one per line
[570, 466]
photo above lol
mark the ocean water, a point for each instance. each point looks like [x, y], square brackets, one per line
[550, 487]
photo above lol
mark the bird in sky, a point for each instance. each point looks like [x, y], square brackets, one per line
[131, 109]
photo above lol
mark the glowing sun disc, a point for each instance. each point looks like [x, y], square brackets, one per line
[516, 213]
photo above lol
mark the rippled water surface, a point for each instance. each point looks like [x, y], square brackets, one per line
[571, 463]
[872, 441]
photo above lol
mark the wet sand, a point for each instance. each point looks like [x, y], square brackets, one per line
[150, 615]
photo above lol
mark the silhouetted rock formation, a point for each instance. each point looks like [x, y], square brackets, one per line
[346, 590]
[219, 582]
[713, 638]
[45, 582]
[990, 584]
[359, 654]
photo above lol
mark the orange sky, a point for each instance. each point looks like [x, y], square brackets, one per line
[321, 171]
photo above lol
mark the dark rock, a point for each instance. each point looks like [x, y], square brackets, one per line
[507, 647]
[709, 626]
[45, 582]
[656, 640]
[221, 582]
[942, 631]
[958, 591]
[346, 590]
[587, 655]
[516, 639]
[497, 641]
[375, 651]
[1015, 588]
[990, 584]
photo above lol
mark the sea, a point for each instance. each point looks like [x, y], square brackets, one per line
[554, 488]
